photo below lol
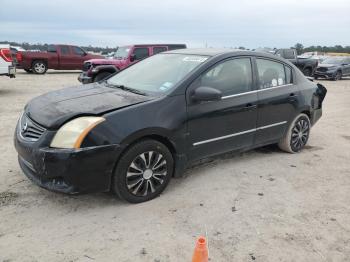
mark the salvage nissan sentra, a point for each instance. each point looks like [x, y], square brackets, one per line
[133, 131]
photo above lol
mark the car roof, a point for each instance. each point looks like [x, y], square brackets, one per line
[212, 52]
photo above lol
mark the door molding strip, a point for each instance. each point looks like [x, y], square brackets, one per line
[239, 133]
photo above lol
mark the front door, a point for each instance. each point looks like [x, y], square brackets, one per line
[220, 126]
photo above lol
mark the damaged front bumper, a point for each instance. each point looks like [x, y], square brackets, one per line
[72, 171]
[84, 78]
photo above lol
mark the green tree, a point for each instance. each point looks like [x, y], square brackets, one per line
[299, 47]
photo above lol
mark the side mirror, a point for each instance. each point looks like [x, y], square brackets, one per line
[205, 93]
[132, 58]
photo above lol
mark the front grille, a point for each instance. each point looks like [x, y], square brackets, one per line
[29, 130]
[86, 66]
[322, 69]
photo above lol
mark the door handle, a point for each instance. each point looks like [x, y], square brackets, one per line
[250, 106]
[292, 96]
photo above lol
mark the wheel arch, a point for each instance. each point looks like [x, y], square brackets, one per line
[157, 135]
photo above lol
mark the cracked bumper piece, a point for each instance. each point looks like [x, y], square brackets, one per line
[70, 171]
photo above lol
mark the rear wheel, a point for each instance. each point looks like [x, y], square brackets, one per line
[143, 171]
[101, 76]
[39, 67]
[307, 71]
[297, 134]
[337, 76]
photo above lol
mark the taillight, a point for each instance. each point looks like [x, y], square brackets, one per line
[6, 54]
[19, 57]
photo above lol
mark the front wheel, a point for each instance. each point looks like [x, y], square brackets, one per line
[143, 171]
[101, 76]
[297, 134]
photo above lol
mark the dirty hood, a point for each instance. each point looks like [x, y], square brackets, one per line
[53, 109]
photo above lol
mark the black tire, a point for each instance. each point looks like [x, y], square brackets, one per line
[29, 71]
[337, 76]
[307, 71]
[297, 134]
[135, 179]
[39, 67]
[101, 76]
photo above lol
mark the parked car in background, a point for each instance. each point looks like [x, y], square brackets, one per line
[333, 68]
[306, 65]
[315, 56]
[133, 132]
[59, 57]
[97, 69]
[7, 66]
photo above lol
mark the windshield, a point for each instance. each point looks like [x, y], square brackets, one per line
[122, 52]
[333, 60]
[157, 74]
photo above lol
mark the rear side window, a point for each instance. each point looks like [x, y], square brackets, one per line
[159, 49]
[64, 50]
[230, 77]
[271, 74]
[77, 50]
[141, 53]
[174, 47]
[51, 49]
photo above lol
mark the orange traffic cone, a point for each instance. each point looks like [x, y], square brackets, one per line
[200, 253]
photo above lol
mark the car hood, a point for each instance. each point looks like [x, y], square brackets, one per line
[53, 109]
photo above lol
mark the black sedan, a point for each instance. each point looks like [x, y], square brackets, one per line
[132, 132]
[333, 68]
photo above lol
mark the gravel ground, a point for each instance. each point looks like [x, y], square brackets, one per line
[263, 205]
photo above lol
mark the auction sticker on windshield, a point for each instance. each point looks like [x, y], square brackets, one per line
[199, 59]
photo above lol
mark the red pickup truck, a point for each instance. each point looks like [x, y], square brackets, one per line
[59, 57]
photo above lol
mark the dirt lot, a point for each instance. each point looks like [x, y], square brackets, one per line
[264, 205]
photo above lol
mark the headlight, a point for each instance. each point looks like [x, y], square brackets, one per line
[331, 68]
[72, 134]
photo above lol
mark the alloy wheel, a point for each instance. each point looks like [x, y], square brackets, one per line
[146, 173]
[300, 134]
[39, 68]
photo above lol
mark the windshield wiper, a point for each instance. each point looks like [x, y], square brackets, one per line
[126, 88]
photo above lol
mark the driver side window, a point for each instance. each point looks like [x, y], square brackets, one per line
[230, 77]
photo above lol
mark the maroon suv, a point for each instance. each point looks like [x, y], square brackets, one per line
[97, 69]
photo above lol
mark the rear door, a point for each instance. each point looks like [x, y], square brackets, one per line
[140, 53]
[278, 99]
[228, 124]
[65, 60]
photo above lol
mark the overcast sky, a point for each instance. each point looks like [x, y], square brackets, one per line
[217, 23]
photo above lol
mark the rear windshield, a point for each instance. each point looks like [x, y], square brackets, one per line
[157, 74]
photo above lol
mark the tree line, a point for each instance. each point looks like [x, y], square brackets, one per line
[324, 49]
[299, 47]
[43, 47]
